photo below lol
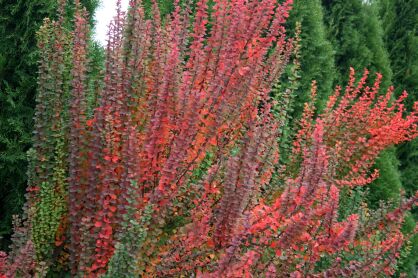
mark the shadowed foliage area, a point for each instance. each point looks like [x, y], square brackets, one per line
[19, 22]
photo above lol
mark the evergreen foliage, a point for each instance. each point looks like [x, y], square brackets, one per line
[313, 59]
[19, 22]
[356, 32]
[383, 44]
[400, 24]
[388, 186]
[316, 54]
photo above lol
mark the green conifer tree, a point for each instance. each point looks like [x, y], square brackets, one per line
[316, 54]
[19, 22]
[362, 39]
[400, 24]
[313, 60]
[355, 29]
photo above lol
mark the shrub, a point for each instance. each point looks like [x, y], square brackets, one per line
[172, 175]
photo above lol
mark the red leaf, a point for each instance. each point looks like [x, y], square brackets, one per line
[210, 243]
[242, 71]
[34, 189]
[115, 159]
[89, 123]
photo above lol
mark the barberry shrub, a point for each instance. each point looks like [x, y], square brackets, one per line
[176, 172]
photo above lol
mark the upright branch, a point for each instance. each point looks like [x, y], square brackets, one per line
[167, 178]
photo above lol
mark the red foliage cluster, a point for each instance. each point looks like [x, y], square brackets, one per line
[159, 116]
[3, 264]
[362, 125]
[293, 232]
[20, 262]
[185, 129]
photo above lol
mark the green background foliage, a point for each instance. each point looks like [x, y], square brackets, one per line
[19, 22]
[317, 55]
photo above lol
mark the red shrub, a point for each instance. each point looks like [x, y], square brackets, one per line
[169, 176]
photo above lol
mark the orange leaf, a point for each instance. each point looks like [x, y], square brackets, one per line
[89, 123]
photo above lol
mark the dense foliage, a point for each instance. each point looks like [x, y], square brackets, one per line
[359, 38]
[316, 54]
[173, 168]
[400, 24]
[19, 22]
